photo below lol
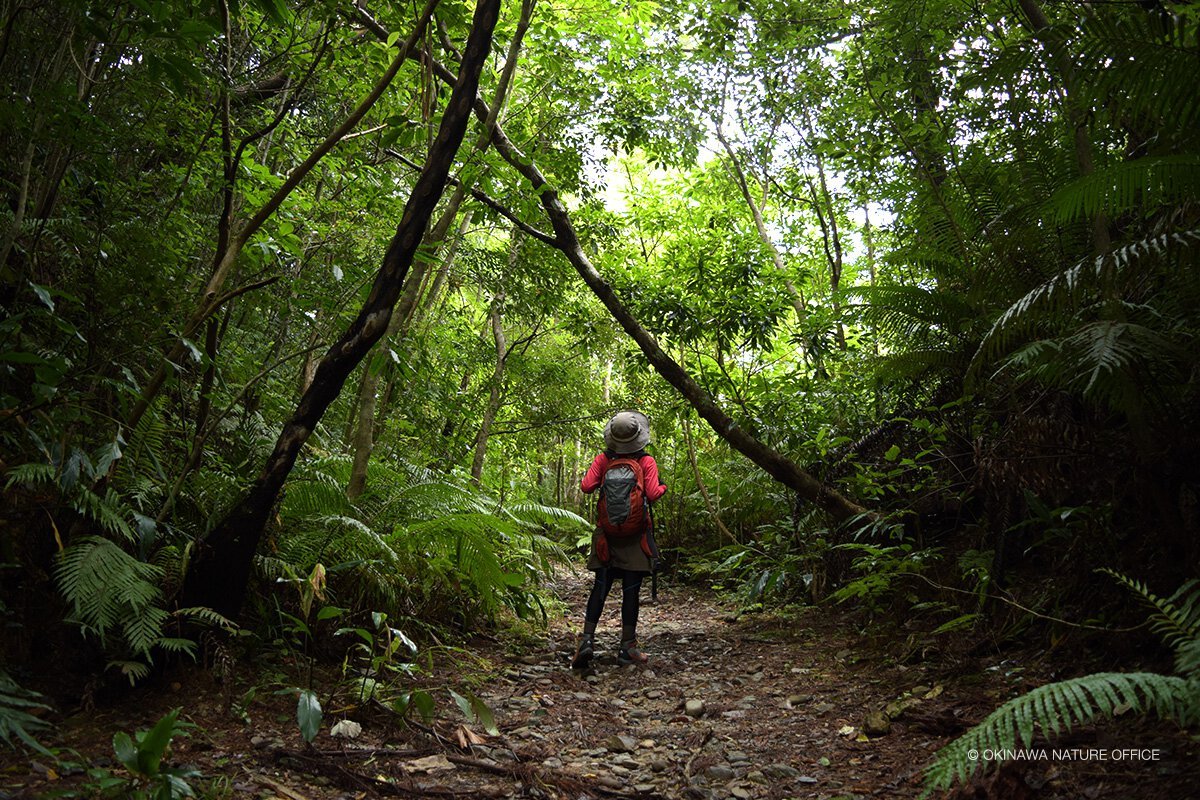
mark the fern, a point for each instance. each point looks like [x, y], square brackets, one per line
[1176, 618]
[1070, 287]
[1128, 186]
[1057, 707]
[107, 588]
[16, 720]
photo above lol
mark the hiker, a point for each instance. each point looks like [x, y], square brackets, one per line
[623, 544]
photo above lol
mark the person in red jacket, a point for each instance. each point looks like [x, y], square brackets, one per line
[628, 559]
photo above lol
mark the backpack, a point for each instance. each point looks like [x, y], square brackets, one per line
[623, 511]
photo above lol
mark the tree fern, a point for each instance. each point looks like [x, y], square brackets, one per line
[1057, 707]
[1072, 286]
[1128, 186]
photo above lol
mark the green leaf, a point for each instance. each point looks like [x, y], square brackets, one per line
[423, 700]
[329, 612]
[892, 453]
[464, 705]
[43, 294]
[309, 715]
[126, 753]
[484, 714]
[153, 745]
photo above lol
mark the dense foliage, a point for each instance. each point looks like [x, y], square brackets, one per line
[942, 256]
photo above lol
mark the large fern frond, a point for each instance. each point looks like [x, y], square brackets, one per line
[1145, 66]
[1071, 285]
[1143, 182]
[107, 588]
[1057, 707]
[1176, 618]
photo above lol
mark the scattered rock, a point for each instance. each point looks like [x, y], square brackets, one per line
[654, 694]
[824, 708]
[694, 708]
[741, 793]
[807, 779]
[781, 771]
[620, 743]
[553, 763]
[877, 723]
[719, 772]
[796, 700]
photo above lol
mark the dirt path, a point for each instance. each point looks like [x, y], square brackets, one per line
[761, 706]
[743, 708]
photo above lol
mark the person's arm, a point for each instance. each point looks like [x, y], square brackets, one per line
[655, 488]
[591, 479]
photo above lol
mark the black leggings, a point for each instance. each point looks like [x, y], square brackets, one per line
[631, 587]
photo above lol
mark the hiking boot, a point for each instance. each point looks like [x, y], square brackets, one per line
[631, 654]
[583, 653]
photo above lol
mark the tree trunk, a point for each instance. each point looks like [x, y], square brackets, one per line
[497, 390]
[708, 503]
[1077, 116]
[761, 226]
[223, 559]
[776, 465]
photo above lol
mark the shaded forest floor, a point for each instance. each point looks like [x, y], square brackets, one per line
[790, 709]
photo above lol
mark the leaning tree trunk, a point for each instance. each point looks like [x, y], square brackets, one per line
[222, 562]
[565, 239]
[776, 465]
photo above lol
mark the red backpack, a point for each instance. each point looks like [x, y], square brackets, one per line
[623, 511]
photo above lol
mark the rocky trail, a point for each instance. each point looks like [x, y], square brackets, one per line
[757, 706]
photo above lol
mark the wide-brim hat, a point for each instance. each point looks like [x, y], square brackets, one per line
[627, 432]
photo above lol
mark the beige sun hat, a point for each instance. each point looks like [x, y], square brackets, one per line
[627, 432]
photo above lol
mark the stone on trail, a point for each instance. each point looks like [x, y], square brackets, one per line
[620, 743]
[877, 724]
[719, 772]
[781, 771]
[694, 708]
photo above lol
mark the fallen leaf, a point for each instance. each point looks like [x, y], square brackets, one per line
[434, 763]
[847, 730]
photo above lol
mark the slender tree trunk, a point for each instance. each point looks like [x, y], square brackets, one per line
[708, 503]
[761, 226]
[222, 560]
[832, 243]
[497, 390]
[1077, 115]
[434, 294]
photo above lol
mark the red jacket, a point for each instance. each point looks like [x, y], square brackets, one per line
[595, 474]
